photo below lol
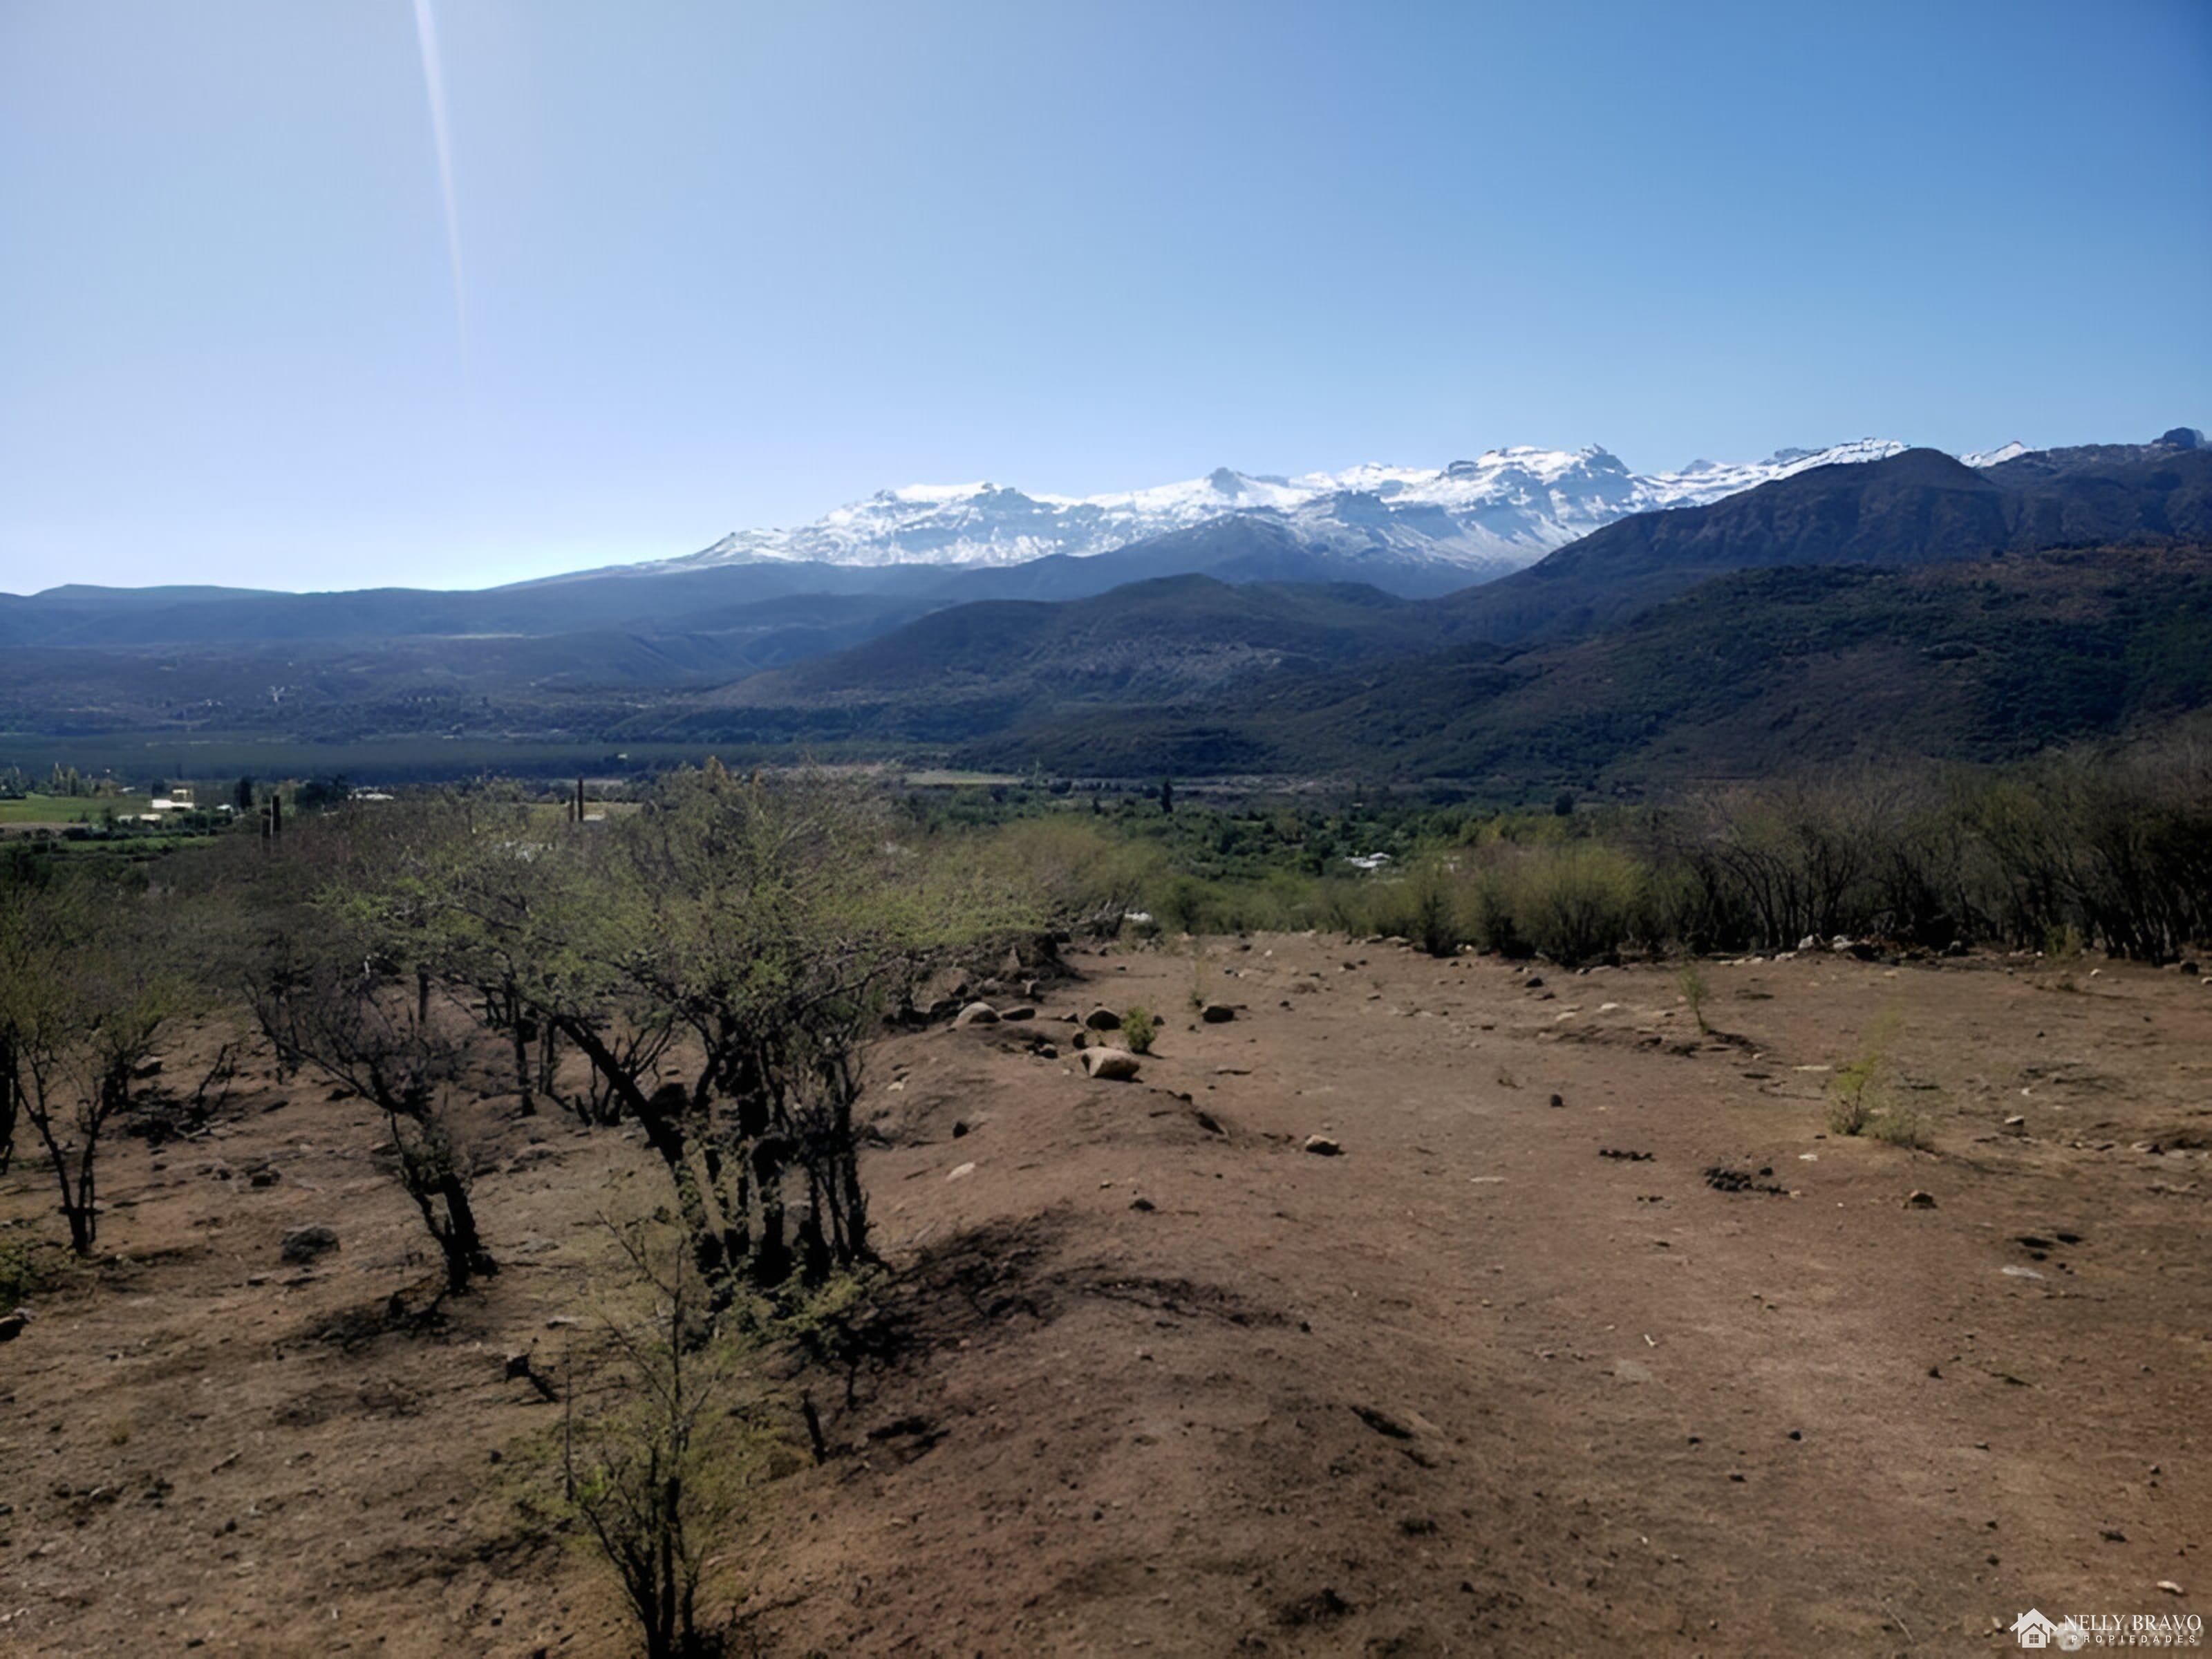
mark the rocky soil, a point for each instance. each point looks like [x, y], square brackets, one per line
[1419, 1307]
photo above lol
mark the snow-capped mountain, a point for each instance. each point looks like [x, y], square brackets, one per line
[1502, 510]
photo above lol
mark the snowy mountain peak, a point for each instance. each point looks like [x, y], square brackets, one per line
[1993, 457]
[1504, 508]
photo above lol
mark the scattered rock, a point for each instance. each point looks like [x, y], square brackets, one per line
[1217, 1013]
[1558, 1100]
[1110, 1064]
[1534, 983]
[304, 1244]
[1103, 1019]
[1143, 1204]
[1323, 1146]
[1021, 1011]
[1624, 1156]
[961, 1173]
[2171, 1587]
[1919, 1200]
[266, 1175]
[976, 1013]
[11, 1325]
[1383, 1423]
[2020, 1272]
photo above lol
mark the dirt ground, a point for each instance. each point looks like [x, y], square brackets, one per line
[1483, 1383]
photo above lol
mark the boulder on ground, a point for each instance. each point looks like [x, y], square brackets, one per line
[1020, 1012]
[1323, 1146]
[1103, 1019]
[1110, 1064]
[976, 1013]
[1217, 1013]
[304, 1244]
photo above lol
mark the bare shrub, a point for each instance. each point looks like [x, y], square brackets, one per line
[1695, 992]
[656, 1449]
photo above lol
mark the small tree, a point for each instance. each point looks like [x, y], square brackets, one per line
[334, 989]
[1695, 992]
[654, 1465]
[719, 961]
[365, 1025]
[83, 999]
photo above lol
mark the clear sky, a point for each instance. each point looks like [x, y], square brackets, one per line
[719, 264]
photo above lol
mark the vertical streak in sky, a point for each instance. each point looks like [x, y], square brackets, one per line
[434, 84]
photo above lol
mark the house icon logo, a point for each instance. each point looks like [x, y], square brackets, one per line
[2035, 1630]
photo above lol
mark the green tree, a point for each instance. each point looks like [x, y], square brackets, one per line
[719, 959]
[85, 995]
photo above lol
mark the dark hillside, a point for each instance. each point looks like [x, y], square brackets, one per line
[1753, 673]
[1912, 508]
[1917, 507]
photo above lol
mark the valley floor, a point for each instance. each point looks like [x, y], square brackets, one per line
[1169, 1383]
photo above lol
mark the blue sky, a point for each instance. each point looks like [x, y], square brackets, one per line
[729, 264]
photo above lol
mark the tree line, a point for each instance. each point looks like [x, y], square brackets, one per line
[709, 967]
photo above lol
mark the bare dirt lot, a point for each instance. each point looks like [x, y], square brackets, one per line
[1591, 1338]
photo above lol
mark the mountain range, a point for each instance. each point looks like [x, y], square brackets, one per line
[1190, 674]
[1505, 510]
[1247, 640]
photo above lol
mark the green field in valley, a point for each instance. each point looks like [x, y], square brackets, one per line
[69, 809]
